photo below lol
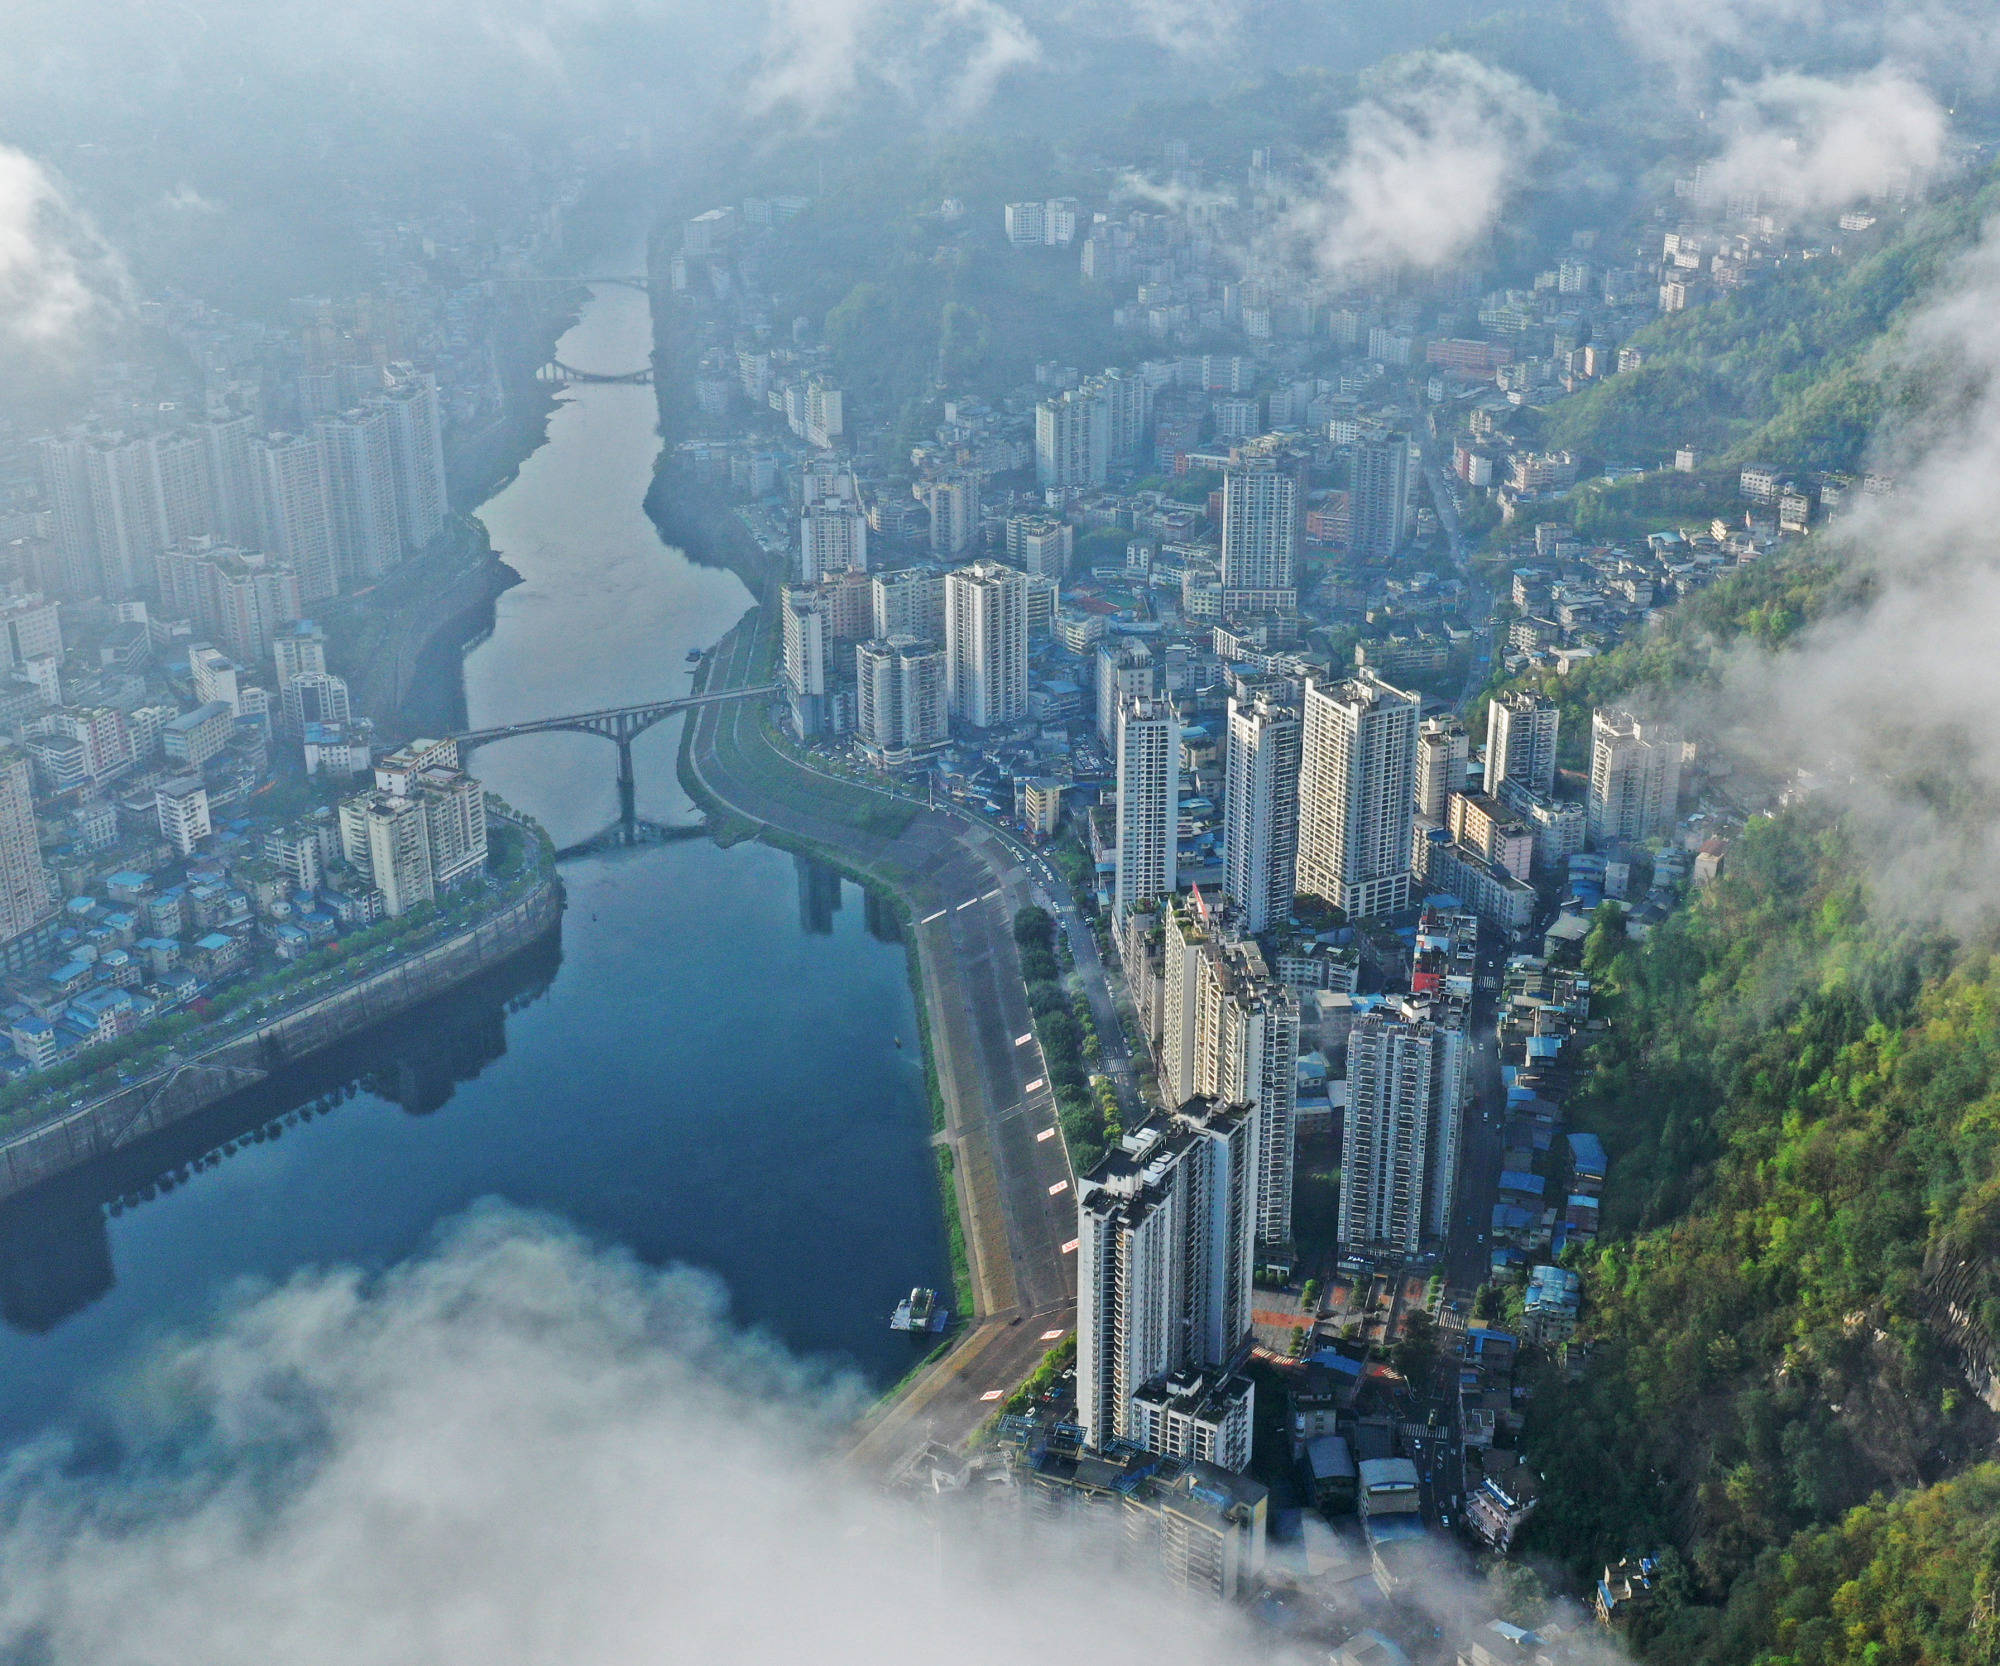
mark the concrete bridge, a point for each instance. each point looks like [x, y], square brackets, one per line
[557, 374]
[621, 725]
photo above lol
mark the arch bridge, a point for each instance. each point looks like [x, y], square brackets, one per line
[559, 375]
[621, 725]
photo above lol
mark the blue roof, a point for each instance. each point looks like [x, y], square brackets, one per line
[1512, 1180]
[1587, 1151]
[214, 940]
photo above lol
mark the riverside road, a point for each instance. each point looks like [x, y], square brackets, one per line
[962, 882]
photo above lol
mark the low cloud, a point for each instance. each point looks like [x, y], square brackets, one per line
[1890, 705]
[1948, 43]
[1434, 152]
[1815, 143]
[519, 1449]
[59, 280]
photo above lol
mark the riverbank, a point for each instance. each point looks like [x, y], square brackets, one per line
[203, 1076]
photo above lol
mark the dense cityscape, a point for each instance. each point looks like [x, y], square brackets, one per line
[1395, 651]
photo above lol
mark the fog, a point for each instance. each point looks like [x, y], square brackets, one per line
[516, 1448]
[1818, 143]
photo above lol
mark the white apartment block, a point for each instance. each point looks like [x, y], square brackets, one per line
[1164, 1258]
[1635, 779]
[1356, 792]
[900, 697]
[1124, 672]
[1443, 750]
[1260, 827]
[1521, 732]
[1260, 529]
[986, 644]
[1149, 801]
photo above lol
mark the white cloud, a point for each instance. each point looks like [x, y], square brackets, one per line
[520, 1450]
[1893, 701]
[58, 279]
[1820, 143]
[1433, 154]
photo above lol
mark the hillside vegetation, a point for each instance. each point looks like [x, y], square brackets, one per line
[1788, 371]
[1801, 1101]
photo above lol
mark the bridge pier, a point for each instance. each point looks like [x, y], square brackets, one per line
[628, 786]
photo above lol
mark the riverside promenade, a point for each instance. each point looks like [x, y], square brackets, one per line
[960, 883]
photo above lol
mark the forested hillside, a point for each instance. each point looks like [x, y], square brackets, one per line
[1801, 1099]
[1787, 371]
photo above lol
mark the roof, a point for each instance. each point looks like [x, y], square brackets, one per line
[1328, 1458]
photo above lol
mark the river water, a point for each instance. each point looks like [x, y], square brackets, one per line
[707, 1073]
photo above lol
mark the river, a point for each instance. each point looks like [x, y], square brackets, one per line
[708, 1073]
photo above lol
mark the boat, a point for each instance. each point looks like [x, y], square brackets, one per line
[898, 1040]
[694, 656]
[918, 1311]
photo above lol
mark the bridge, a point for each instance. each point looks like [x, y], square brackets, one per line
[559, 375]
[625, 279]
[621, 725]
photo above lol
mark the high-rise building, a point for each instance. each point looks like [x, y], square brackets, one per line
[125, 508]
[1128, 403]
[1443, 749]
[1406, 1086]
[1230, 1030]
[908, 601]
[215, 678]
[182, 486]
[953, 505]
[27, 899]
[454, 806]
[181, 808]
[1260, 810]
[1260, 529]
[296, 510]
[1521, 743]
[361, 488]
[807, 644]
[900, 705]
[30, 629]
[416, 452]
[315, 697]
[66, 484]
[1635, 778]
[1073, 438]
[385, 837]
[232, 474]
[1149, 801]
[833, 528]
[1164, 1261]
[298, 650]
[1378, 503]
[1356, 792]
[986, 643]
[1040, 545]
[1124, 670]
[238, 600]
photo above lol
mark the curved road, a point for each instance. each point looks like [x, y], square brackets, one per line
[962, 882]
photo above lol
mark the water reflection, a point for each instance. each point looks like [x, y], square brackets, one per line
[819, 896]
[55, 1245]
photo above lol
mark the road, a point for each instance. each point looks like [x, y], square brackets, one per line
[1478, 594]
[962, 882]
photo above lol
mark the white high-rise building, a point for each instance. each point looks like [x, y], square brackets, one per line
[908, 601]
[1260, 529]
[1356, 795]
[900, 705]
[1164, 1261]
[1041, 545]
[27, 898]
[181, 808]
[125, 509]
[361, 487]
[315, 697]
[30, 628]
[986, 643]
[833, 527]
[1124, 672]
[1521, 734]
[1407, 1072]
[1260, 810]
[1635, 779]
[232, 476]
[953, 505]
[807, 645]
[1378, 504]
[298, 650]
[416, 451]
[215, 678]
[1149, 802]
[1443, 750]
[296, 508]
[66, 483]
[1230, 1030]
[1073, 438]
